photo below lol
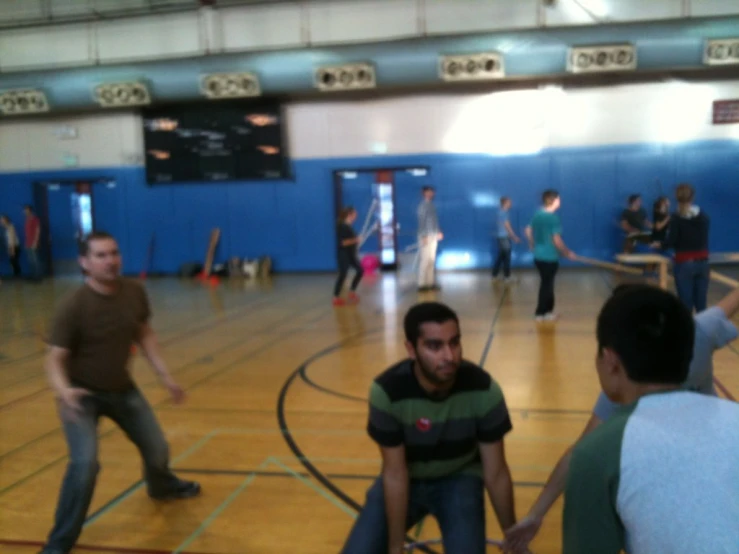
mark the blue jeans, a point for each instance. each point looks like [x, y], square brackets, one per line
[457, 503]
[504, 257]
[134, 415]
[691, 282]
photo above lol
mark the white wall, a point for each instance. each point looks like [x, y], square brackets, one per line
[499, 123]
[296, 24]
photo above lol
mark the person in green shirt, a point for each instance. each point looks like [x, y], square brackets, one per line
[545, 240]
[661, 474]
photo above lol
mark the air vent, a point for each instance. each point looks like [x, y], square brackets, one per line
[472, 67]
[113, 95]
[23, 101]
[345, 77]
[230, 85]
[599, 59]
[721, 52]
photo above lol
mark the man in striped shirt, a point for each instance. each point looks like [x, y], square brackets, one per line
[429, 236]
[439, 421]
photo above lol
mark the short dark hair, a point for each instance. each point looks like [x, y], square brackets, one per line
[633, 198]
[84, 245]
[549, 196]
[652, 332]
[426, 312]
[504, 199]
[427, 188]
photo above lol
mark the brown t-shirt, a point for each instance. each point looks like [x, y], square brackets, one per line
[99, 330]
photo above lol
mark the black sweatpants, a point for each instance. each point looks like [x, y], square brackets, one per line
[346, 260]
[547, 272]
[15, 262]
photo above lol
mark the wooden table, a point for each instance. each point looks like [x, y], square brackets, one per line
[648, 259]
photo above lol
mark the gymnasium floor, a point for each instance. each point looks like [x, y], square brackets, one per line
[274, 423]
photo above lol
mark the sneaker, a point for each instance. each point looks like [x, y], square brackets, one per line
[184, 489]
[353, 298]
[338, 301]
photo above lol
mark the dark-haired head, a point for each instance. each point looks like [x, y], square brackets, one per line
[550, 199]
[84, 244]
[645, 339]
[433, 341]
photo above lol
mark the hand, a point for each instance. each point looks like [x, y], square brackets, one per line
[516, 240]
[71, 400]
[440, 236]
[571, 255]
[175, 391]
[518, 537]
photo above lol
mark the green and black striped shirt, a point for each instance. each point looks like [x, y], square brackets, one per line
[441, 436]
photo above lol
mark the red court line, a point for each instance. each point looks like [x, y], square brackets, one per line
[93, 548]
[723, 389]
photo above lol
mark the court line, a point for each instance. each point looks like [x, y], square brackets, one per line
[95, 548]
[306, 481]
[293, 473]
[491, 334]
[215, 513]
[107, 507]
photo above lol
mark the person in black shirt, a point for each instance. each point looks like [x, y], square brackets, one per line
[688, 237]
[661, 218]
[635, 223]
[347, 244]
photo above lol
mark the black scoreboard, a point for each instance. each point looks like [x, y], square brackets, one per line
[215, 141]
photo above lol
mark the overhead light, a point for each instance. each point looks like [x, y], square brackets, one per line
[472, 67]
[345, 77]
[127, 93]
[23, 101]
[599, 59]
[230, 85]
[721, 52]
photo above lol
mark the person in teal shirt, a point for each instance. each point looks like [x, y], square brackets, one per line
[545, 240]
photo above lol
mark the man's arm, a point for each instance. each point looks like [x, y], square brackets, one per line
[730, 303]
[510, 231]
[395, 487]
[520, 535]
[529, 236]
[387, 431]
[562, 247]
[498, 482]
[149, 346]
[493, 423]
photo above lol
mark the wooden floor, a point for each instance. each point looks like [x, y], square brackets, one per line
[274, 425]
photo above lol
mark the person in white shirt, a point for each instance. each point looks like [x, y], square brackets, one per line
[13, 244]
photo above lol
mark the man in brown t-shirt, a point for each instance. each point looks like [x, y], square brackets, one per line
[87, 365]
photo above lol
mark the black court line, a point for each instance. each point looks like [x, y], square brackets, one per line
[348, 476]
[491, 334]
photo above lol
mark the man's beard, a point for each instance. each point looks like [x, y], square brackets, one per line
[431, 376]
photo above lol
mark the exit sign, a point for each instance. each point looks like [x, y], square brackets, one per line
[725, 111]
